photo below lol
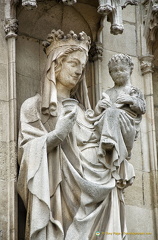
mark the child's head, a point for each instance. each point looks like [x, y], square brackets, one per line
[120, 69]
[120, 59]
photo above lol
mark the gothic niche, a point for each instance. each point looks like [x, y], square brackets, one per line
[40, 21]
[74, 162]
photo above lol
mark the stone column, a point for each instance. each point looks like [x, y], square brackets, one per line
[148, 131]
[8, 137]
[95, 56]
[148, 136]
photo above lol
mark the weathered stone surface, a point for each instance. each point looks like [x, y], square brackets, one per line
[4, 107]
[28, 55]
[4, 161]
[4, 211]
[58, 16]
[121, 42]
[3, 82]
[129, 14]
[134, 194]
[138, 227]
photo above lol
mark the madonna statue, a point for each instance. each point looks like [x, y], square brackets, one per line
[69, 191]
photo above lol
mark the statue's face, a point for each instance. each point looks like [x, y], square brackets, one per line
[71, 69]
[120, 74]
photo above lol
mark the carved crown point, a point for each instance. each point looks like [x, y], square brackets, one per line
[58, 39]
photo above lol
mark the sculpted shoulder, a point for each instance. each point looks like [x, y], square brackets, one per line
[30, 109]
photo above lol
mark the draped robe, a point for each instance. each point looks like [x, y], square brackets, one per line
[69, 193]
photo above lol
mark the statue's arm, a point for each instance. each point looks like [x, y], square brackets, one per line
[31, 126]
[63, 127]
[136, 102]
[102, 104]
[52, 141]
[138, 105]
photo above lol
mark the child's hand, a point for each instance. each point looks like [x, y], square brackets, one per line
[104, 103]
[125, 98]
[101, 105]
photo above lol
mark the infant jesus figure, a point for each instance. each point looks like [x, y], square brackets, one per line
[119, 112]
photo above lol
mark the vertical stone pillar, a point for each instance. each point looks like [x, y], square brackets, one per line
[150, 152]
[148, 135]
[8, 141]
[95, 56]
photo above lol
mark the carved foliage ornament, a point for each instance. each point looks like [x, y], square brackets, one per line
[11, 27]
[155, 6]
[96, 51]
[106, 6]
[146, 64]
[150, 20]
[69, 2]
[29, 4]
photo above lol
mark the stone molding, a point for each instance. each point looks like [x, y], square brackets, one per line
[110, 8]
[146, 64]
[113, 10]
[150, 20]
[69, 2]
[29, 4]
[105, 6]
[11, 27]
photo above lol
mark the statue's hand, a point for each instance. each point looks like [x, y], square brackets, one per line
[128, 130]
[104, 103]
[101, 105]
[124, 98]
[65, 123]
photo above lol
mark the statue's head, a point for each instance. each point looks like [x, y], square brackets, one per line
[68, 54]
[120, 69]
[120, 59]
[67, 57]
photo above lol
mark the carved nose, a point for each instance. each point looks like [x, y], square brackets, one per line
[78, 70]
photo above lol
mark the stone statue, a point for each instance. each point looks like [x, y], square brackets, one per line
[122, 103]
[68, 189]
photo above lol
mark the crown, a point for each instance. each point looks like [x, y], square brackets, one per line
[58, 39]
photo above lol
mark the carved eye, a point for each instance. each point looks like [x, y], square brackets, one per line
[73, 63]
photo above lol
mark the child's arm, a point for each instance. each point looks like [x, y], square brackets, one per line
[102, 104]
[138, 105]
[135, 101]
